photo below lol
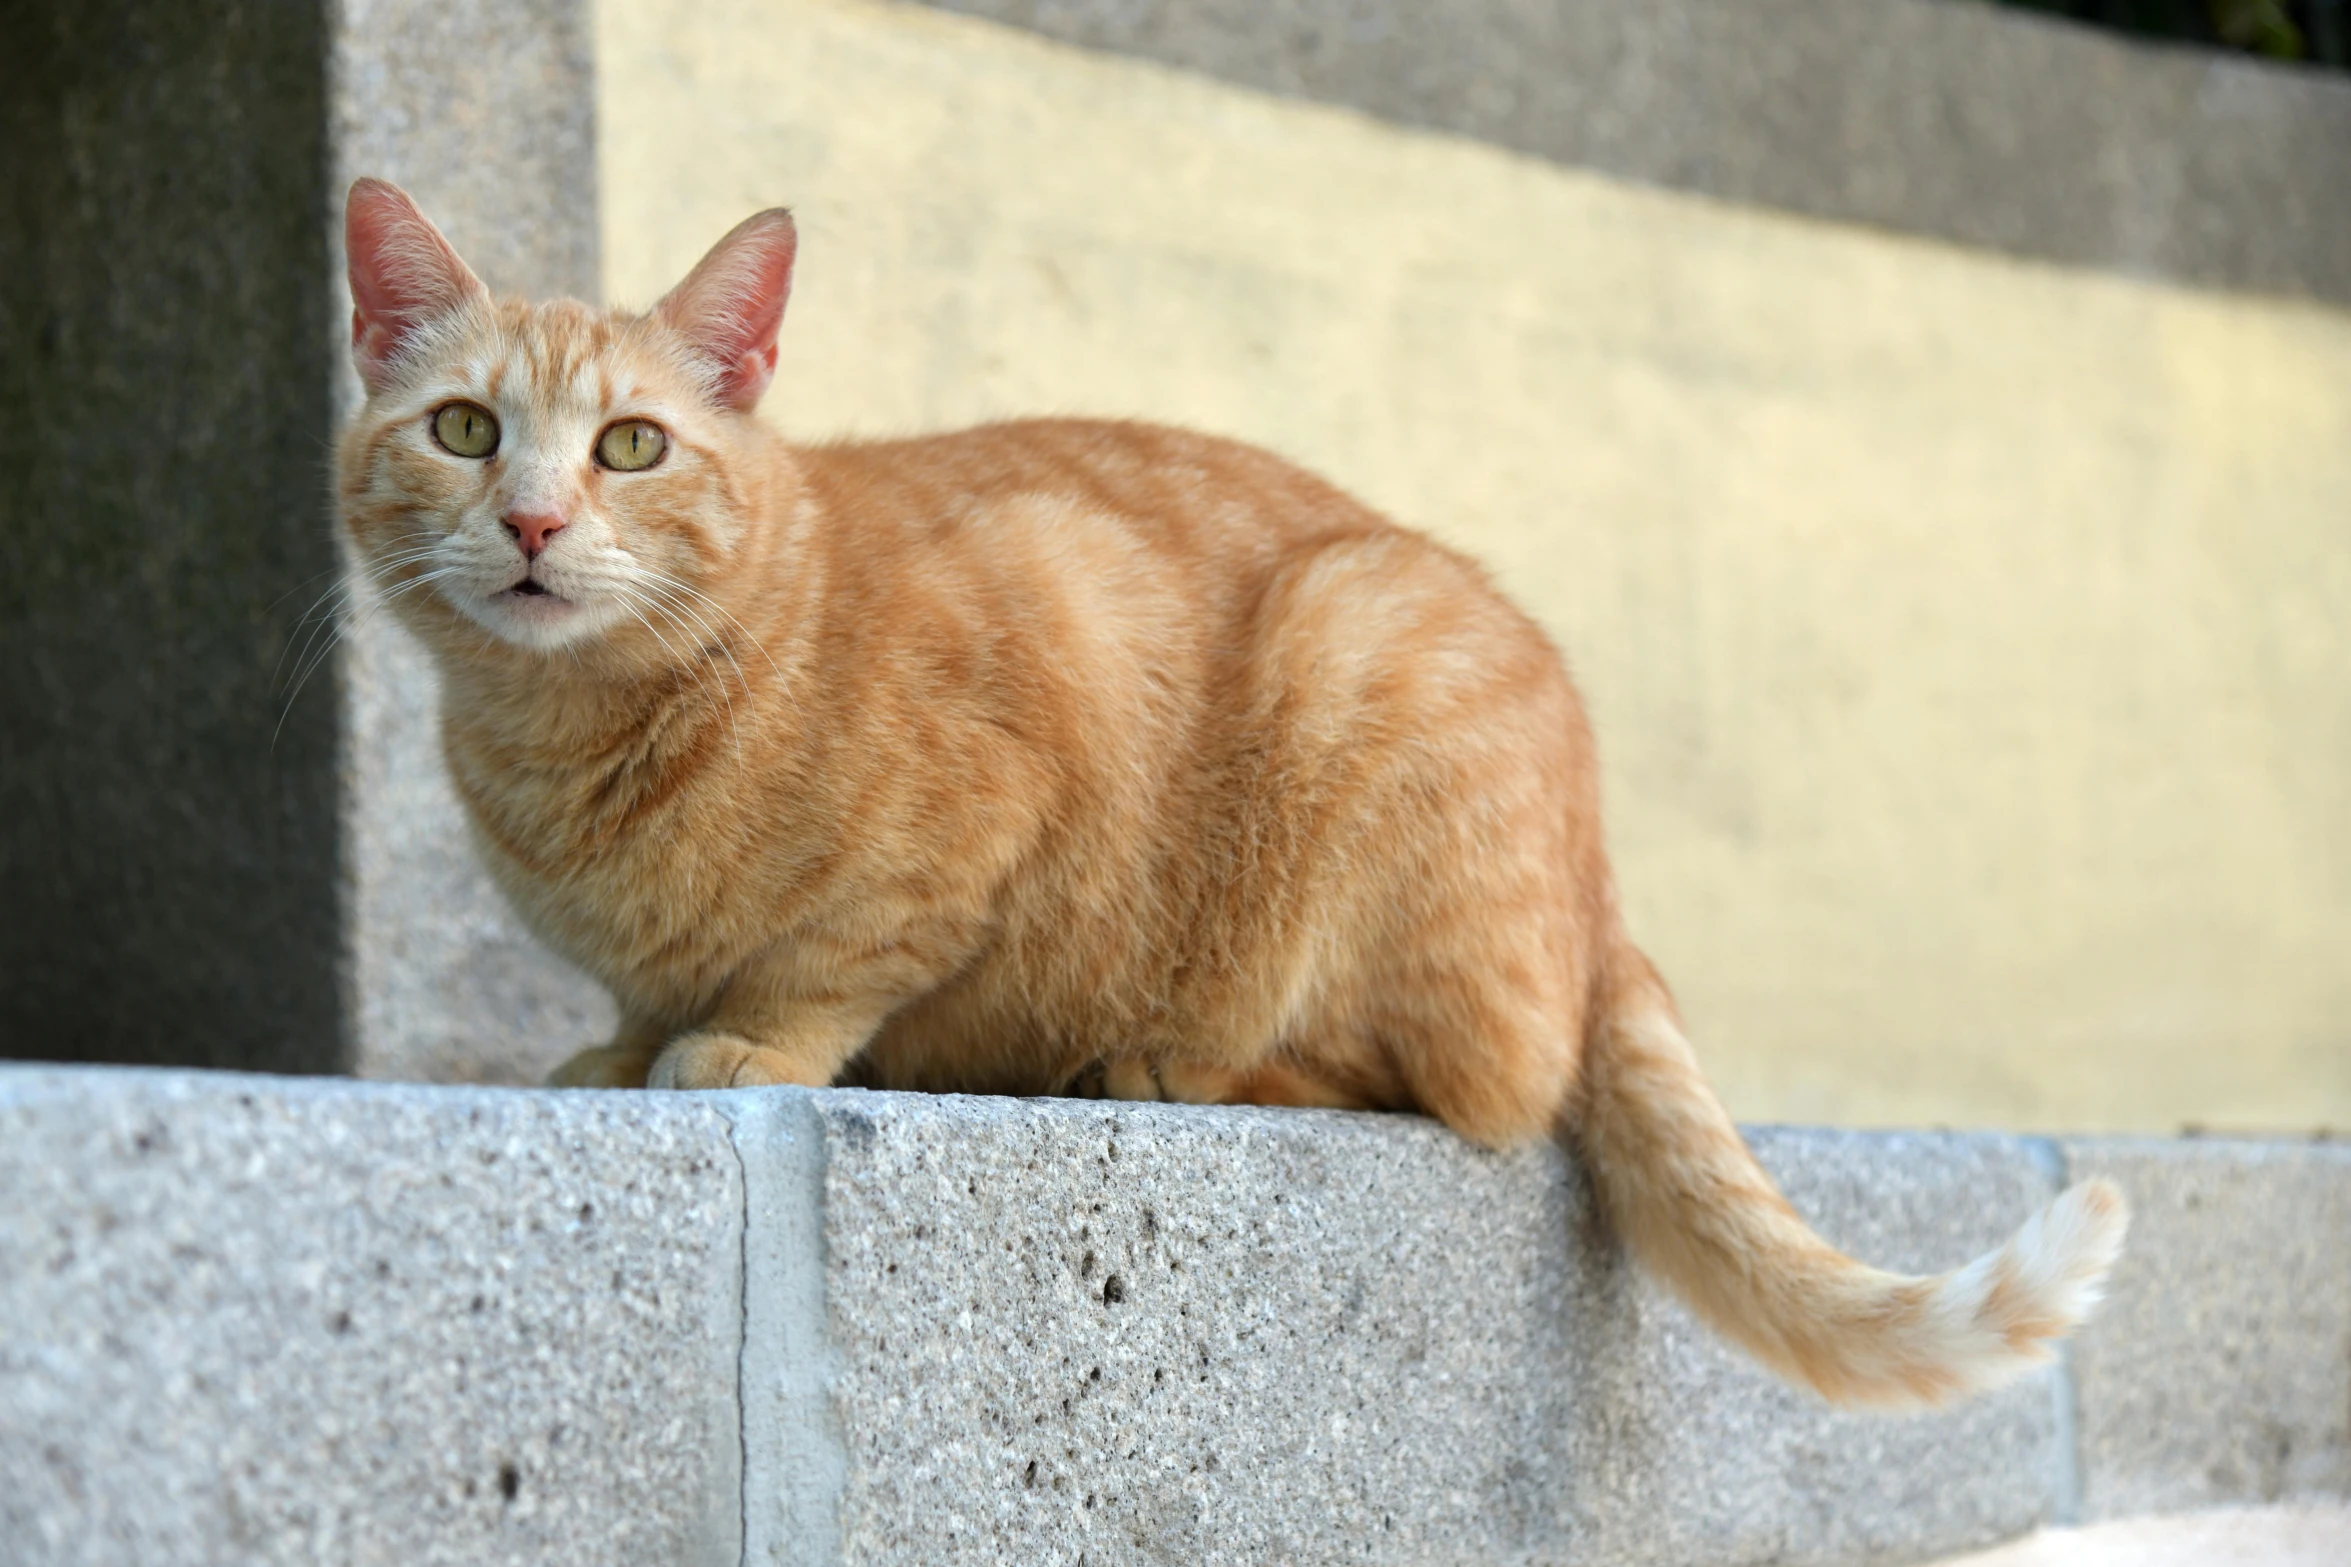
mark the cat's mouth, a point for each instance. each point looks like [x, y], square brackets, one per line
[532, 588]
[530, 612]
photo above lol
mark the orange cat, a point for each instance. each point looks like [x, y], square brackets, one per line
[1055, 754]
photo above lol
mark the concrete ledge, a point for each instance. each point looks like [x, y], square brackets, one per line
[256, 1319]
[261, 1320]
[1065, 1330]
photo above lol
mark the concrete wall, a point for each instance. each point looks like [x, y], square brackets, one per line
[259, 1321]
[1946, 118]
[1964, 631]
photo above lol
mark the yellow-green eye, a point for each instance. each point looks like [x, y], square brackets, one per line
[630, 445]
[466, 430]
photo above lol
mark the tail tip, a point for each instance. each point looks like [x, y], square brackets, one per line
[2010, 1308]
[2090, 1221]
[2061, 1261]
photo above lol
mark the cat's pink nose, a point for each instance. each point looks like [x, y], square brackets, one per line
[532, 530]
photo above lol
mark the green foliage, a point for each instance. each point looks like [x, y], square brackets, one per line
[2259, 25]
[2316, 32]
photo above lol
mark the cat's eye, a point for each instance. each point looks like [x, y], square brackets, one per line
[465, 430]
[630, 445]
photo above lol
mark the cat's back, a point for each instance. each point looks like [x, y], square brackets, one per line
[1151, 552]
[1177, 490]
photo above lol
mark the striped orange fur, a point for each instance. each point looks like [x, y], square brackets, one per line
[1055, 756]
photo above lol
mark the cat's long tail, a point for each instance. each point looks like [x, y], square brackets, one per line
[1695, 1207]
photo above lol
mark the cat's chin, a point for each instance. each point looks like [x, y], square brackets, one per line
[542, 620]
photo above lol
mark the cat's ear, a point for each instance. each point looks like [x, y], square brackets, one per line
[732, 304]
[403, 275]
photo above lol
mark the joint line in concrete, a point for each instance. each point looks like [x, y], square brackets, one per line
[2065, 1483]
[795, 1455]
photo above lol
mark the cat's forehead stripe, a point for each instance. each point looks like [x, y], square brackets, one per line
[557, 361]
[552, 362]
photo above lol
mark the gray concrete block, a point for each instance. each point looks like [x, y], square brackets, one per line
[487, 116]
[264, 1320]
[1060, 1331]
[257, 1321]
[2221, 1373]
[1954, 120]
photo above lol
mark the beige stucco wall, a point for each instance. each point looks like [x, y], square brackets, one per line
[1968, 639]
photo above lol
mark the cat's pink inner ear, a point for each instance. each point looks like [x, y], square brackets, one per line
[403, 275]
[731, 305]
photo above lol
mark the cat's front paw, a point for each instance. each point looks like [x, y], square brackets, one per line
[606, 1066]
[718, 1061]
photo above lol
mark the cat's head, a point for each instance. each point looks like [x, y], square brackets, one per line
[555, 475]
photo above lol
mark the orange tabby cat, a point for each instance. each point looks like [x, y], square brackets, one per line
[1049, 754]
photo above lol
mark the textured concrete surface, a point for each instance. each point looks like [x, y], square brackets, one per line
[1963, 636]
[2223, 1374]
[256, 1321]
[167, 848]
[1142, 1333]
[1938, 118]
[2266, 1537]
[487, 116]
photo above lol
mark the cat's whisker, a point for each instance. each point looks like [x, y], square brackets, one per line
[697, 595]
[341, 629]
[643, 588]
[336, 572]
[334, 639]
[715, 638]
[707, 640]
[629, 601]
[660, 581]
[342, 574]
[333, 600]
[322, 612]
[701, 667]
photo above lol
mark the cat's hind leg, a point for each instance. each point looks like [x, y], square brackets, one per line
[1193, 1083]
[624, 1063]
[1270, 1083]
[604, 1066]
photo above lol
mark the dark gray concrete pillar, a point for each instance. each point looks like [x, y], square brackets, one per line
[168, 850]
